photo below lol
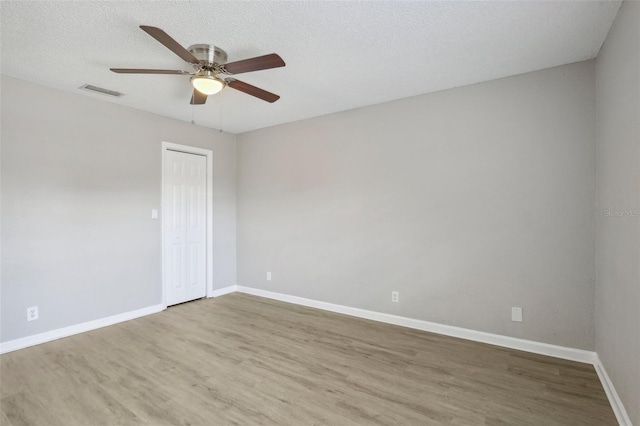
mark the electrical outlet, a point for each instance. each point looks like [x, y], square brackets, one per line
[516, 314]
[268, 276]
[32, 313]
[394, 296]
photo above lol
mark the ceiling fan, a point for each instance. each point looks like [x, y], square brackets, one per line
[210, 64]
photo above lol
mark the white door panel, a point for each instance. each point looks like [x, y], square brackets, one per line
[184, 226]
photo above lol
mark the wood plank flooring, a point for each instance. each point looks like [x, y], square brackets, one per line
[244, 360]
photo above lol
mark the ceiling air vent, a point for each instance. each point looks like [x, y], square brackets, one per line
[101, 90]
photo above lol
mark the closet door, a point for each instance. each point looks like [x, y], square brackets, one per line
[184, 226]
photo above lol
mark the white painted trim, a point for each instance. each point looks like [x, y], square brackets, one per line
[571, 354]
[222, 291]
[209, 155]
[610, 390]
[578, 355]
[36, 339]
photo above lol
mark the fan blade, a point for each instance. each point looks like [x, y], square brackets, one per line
[198, 98]
[170, 43]
[255, 64]
[253, 90]
[146, 71]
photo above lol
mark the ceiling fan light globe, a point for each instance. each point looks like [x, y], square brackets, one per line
[206, 84]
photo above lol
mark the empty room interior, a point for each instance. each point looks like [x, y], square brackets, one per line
[320, 213]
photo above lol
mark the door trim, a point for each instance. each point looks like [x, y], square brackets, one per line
[169, 146]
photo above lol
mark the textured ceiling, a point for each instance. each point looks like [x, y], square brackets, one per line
[339, 55]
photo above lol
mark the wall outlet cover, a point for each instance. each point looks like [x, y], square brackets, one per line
[32, 313]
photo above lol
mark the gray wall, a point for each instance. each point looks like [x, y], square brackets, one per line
[467, 201]
[617, 316]
[79, 179]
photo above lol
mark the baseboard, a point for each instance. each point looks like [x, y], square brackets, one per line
[571, 354]
[610, 390]
[36, 339]
[222, 291]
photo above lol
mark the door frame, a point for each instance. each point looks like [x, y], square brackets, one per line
[169, 146]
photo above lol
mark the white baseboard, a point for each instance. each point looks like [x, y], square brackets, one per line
[222, 291]
[36, 339]
[578, 355]
[610, 390]
[571, 354]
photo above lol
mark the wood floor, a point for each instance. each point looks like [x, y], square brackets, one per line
[244, 360]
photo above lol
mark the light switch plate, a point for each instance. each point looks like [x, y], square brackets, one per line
[516, 314]
[154, 214]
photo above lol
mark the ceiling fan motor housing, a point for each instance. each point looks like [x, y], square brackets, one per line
[208, 54]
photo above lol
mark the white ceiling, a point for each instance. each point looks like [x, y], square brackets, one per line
[339, 55]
